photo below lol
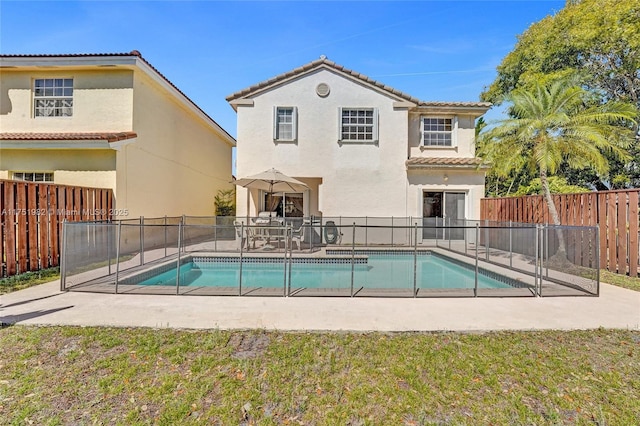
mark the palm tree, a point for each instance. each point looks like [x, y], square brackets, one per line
[552, 124]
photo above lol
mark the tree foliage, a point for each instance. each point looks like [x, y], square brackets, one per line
[598, 39]
[555, 124]
[599, 42]
[557, 185]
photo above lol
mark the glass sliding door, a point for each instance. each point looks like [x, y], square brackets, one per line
[454, 213]
[440, 209]
[432, 215]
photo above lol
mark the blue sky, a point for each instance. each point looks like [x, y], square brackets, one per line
[433, 50]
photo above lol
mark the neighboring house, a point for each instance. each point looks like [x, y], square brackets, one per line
[111, 121]
[363, 148]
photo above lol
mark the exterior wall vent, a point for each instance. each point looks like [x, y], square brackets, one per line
[323, 90]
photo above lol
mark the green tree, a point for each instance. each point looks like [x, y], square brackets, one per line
[553, 124]
[557, 185]
[599, 40]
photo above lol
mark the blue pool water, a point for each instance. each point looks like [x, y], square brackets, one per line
[381, 271]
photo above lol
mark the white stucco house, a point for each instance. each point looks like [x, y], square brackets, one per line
[363, 148]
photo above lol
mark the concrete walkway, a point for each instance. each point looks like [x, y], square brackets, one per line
[46, 305]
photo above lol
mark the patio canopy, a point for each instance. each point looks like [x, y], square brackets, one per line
[272, 181]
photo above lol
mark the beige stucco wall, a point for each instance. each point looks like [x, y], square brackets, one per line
[464, 135]
[357, 180]
[177, 163]
[102, 101]
[93, 168]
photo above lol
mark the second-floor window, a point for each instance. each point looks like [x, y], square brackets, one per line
[437, 131]
[53, 97]
[285, 124]
[358, 125]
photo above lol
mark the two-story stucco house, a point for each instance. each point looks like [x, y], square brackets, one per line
[363, 148]
[111, 121]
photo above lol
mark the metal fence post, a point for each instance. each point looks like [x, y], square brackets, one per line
[178, 266]
[597, 261]
[536, 249]
[241, 252]
[541, 256]
[290, 257]
[215, 234]
[366, 231]
[118, 254]
[392, 227]
[108, 248]
[415, 261]
[142, 240]
[63, 256]
[475, 286]
[449, 233]
[546, 247]
[466, 237]
[353, 254]
[284, 261]
[510, 244]
[184, 222]
[165, 235]
[486, 238]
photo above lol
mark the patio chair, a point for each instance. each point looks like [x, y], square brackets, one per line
[297, 235]
[247, 237]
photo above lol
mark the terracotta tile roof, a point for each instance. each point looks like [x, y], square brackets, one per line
[133, 53]
[324, 62]
[443, 162]
[104, 136]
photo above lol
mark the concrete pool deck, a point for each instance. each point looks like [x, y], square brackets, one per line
[46, 305]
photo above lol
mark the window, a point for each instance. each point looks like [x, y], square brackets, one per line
[285, 126]
[33, 176]
[358, 125]
[437, 131]
[53, 97]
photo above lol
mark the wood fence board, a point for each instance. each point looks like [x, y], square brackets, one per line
[43, 224]
[633, 234]
[621, 233]
[604, 234]
[54, 224]
[10, 229]
[611, 229]
[21, 237]
[77, 207]
[32, 228]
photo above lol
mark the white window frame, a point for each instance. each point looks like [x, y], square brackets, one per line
[374, 126]
[454, 131]
[276, 124]
[52, 97]
[33, 176]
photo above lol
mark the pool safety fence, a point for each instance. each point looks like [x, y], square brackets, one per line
[533, 260]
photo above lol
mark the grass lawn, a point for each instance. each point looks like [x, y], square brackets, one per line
[632, 283]
[28, 279]
[68, 375]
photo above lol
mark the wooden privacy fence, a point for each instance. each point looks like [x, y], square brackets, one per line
[31, 217]
[614, 212]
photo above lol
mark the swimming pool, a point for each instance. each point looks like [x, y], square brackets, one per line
[371, 270]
